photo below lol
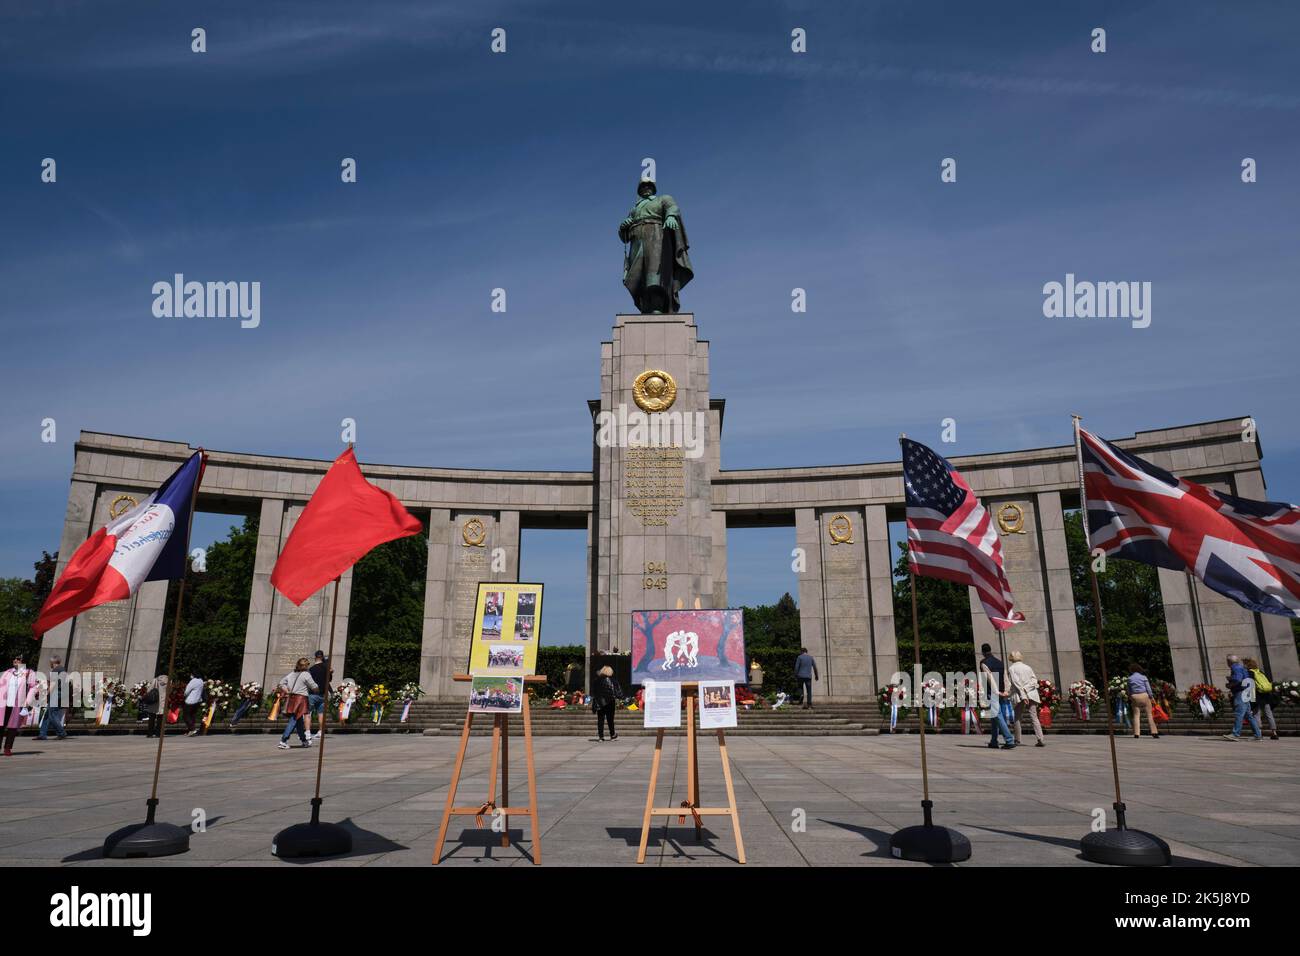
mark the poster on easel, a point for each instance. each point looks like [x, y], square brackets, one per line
[663, 703]
[507, 628]
[490, 694]
[717, 704]
[688, 645]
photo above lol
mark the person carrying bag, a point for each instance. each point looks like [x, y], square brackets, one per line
[295, 686]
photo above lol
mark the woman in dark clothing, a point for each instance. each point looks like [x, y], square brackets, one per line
[604, 694]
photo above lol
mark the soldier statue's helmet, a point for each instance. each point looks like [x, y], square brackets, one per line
[647, 182]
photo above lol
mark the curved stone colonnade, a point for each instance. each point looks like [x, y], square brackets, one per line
[656, 522]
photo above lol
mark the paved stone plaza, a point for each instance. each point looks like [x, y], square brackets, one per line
[1217, 803]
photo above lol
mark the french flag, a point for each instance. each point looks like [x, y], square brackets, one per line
[148, 543]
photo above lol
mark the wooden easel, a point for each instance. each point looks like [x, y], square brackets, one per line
[691, 805]
[501, 744]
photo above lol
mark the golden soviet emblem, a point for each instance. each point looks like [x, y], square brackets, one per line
[1011, 518]
[841, 529]
[473, 533]
[121, 505]
[654, 390]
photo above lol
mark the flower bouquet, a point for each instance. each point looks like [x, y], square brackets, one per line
[220, 694]
[344, 696]
[892, 699]
[559, 700]
[1082, 697]
[112, 695]
[1118, 688]
[1049, 699]
[408, 695]
[1204, 701]
[967, 701]
[378, 698]
[933, 699]
[1288, 691]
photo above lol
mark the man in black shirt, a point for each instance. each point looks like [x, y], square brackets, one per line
[992, 668]
[320, 673]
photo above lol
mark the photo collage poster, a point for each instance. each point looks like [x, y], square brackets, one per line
[503, 645]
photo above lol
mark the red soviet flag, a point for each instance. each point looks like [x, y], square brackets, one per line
[346, 518]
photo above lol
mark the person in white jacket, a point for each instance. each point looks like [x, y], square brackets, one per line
[1024, 694]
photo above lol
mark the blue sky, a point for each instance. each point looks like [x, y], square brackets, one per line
[478, 171]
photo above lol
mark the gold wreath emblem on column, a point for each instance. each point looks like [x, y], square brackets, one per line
[127, 502]
[473, 533]
[654, 390]
[1011, 518]
[841, 529]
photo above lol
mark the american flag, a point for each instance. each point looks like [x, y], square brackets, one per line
[1247, 550]
[950, 535]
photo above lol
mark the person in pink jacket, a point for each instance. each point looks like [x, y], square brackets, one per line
[18, 688]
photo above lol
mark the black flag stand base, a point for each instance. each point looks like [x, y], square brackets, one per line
[928, 843]
[147, 839]
[312, 839]
[1124, 847]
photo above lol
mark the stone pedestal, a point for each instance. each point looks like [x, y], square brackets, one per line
[658, 540]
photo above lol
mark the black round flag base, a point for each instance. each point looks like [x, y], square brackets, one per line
[147, 839]
[1125, 848]
[311, 839]
[927, 843]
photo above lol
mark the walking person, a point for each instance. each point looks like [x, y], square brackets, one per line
[1142, 700]
[154, 704]
[297, 685]
[320, 673]
[805, 670]
[18, 692]
[193, 701]
[1024, 695]
[1242, 686]
[1266, 698]
[992, 671]
[605, 693]
[56, 704]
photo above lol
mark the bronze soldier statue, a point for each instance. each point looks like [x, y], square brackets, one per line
[655, 261]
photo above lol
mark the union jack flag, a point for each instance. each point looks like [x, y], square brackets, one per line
[950, 535]
[1247, 550]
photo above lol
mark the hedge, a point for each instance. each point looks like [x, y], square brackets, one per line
[1151, 653]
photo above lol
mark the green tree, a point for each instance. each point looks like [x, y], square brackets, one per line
[20, 603]
[386, 617]
[772, 639]
[943, 615]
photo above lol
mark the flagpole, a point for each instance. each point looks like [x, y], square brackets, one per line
[314, 838]
[927, 842]
[153, 838]
[926, 804]
[1120, 846]
[325, 711]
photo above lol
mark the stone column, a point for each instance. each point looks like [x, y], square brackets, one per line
[1022, 559]
[458, 562]
[150, 632]
[1180, 622]
[1063, 626]
[812, 613]
[719, 558]
[1225, 626]
[300, 631]
[257, 632]
[76, 529]
[1277, 648]
[102, 635]
[880, 579]
[847, 674]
